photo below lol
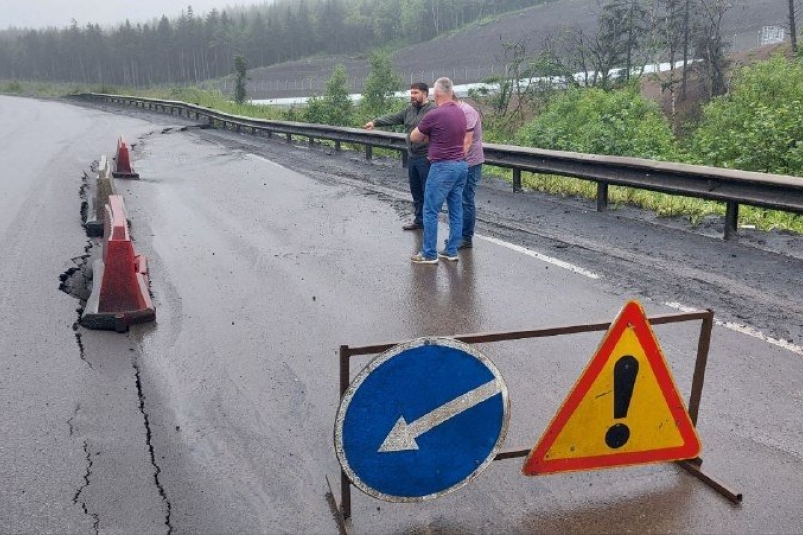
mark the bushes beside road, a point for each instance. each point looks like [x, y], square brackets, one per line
[757, 126]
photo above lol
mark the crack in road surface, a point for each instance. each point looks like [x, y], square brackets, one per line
[87, 475]
[149, 441]
[75, 281]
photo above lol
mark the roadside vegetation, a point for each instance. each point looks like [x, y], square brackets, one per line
[756, 126]
[710, 113]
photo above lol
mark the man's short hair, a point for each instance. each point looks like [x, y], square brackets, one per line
[444, 86]
[421, 86]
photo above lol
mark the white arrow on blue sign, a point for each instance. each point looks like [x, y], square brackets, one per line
[421, 420]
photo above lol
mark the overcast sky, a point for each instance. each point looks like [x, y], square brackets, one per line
[44, 13]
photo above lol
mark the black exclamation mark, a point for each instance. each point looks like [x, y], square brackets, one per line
[624, 379]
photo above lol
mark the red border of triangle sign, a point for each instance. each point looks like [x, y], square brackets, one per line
[625, 408]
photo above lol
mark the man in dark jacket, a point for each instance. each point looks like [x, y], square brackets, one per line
[417, 163]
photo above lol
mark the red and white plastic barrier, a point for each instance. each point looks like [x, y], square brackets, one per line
[98, 197]
[120, 295]
[122, 161]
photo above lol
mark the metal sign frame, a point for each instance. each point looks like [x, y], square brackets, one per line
[691, 466]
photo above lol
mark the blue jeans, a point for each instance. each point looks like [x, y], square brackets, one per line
[445, 183]
[469, 208]
[417, 170]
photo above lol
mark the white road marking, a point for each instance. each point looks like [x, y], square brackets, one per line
[542, 257]
[736, 327]
[745, 329]
[263, 159]
[402, 436]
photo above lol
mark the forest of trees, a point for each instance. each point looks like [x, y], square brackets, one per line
[192, 48]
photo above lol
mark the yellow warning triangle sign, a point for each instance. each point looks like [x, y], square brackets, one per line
[624, 409]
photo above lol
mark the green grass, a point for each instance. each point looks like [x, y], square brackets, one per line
[664, 205]
[210, 99]
[39, 89]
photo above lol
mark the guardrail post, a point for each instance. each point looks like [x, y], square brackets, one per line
[338, 148]
[516, 180]
[311, 141]
[731, 219]
[289, 138]
[369, 152]
[405, 158]
[602, 196]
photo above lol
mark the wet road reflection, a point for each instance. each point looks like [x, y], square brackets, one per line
[444, 296]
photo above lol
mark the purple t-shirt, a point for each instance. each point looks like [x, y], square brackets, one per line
[446, 128]
[475, 154]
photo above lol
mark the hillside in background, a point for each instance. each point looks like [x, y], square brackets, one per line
[195, 47]
[474, 53]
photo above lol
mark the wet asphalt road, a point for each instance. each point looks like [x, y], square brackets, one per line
[218, 418]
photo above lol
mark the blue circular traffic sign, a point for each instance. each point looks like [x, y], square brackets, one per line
[421, 420]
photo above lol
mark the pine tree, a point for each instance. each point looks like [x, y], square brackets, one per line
[240, 71]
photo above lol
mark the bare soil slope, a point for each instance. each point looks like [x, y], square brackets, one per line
[476, 52]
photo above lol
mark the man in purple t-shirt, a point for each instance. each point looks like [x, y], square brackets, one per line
[445, 128]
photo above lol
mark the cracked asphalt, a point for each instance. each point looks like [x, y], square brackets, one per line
[74, 453]
[264, 258]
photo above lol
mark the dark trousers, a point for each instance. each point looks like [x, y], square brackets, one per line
[417, 170]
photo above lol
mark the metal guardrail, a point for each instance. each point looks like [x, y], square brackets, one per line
[733, 187]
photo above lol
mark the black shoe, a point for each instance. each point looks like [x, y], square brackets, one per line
[465, 244]
[413, 226]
